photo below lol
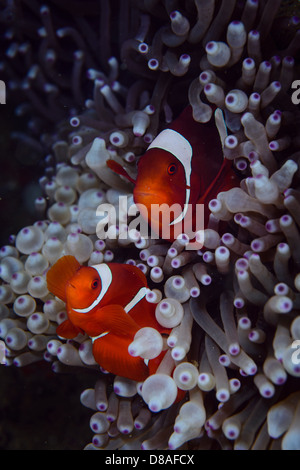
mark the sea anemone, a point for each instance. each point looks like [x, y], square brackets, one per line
[94, 94]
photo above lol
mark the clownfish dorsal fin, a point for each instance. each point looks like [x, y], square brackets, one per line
[117, 168]
[60, 273]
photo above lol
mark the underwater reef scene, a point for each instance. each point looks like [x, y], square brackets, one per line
[164, 346]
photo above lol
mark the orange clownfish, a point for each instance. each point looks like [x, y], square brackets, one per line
[184, 165]
[107, 302]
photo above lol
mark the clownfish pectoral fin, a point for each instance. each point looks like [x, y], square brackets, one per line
[67, 330]
[111, 353]
[112, 318]
[60, 273]
[117, 168]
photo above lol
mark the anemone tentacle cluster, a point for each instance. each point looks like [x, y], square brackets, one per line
[234, 306]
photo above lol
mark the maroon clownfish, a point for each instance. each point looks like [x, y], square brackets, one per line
[107, 302]
[183, 165]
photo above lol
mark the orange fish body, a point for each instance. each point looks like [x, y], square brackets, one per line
[183, 166]
[107, 302]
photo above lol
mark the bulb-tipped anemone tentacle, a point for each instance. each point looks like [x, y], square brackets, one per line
[147, 343]
[159, 390]
[169, 312]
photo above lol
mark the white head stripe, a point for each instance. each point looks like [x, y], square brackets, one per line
[105, 277]
[183, 213]
[179, 146]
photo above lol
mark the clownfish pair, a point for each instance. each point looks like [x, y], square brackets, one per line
[183, 166]
[108, 303]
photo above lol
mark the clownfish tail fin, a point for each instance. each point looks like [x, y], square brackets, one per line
[60, 273]
[111, 353]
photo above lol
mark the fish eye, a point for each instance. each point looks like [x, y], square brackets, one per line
[172, 169]
[95, 284]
